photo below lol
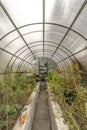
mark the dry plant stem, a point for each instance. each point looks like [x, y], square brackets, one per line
[70, 115]
[7, 99]
[76, 87]
[6, 105]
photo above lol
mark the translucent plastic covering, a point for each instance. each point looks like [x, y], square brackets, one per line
[34, 29]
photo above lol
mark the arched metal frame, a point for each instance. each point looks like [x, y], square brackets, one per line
[32, 42]
[59, 55]
[16, 58]
[37, 58]
[39, 31]
[44, 23]
[45, 44]
[25, 57]
[34, 46]
[24, 51]
[19, 37]
[41, 51]
[38, 45]
[2, 6]
[21, 61]
[77, 15]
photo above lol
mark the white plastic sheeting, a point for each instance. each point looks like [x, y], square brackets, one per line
[33, 29]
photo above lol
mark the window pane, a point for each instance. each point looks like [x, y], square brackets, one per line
[33, 37]
[9, 39]
[62, 11]
[74, 42]
[31, 28]
[15, 46]
[24, 11]
[54, 33]
[81, 23]
[4, 59]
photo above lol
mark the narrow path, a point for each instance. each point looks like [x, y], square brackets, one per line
[42, 117]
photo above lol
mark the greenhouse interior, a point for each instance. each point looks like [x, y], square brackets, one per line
[43, 64]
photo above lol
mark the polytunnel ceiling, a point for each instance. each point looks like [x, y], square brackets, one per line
[52, 29]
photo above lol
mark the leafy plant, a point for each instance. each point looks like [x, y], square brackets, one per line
[71, 97]
[15, 90]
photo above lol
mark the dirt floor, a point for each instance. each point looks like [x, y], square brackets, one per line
[42, 117]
